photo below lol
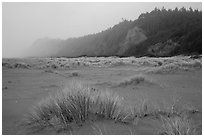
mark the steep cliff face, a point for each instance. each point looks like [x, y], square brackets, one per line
[134, 37]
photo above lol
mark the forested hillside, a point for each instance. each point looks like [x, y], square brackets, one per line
[160, 32]
[179, 31]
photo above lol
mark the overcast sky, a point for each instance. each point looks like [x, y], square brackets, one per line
[23, 23]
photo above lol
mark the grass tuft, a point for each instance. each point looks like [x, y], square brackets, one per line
[75, 105]
[133, 81]
[177, 126]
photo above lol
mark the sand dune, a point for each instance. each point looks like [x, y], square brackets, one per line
[152, 86]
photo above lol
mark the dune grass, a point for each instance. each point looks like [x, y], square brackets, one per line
[178, 119]
[178, 64]
[177, 126]
[133, 81]
[75, 105]
[75, 74]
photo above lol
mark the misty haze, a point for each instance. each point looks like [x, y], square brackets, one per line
[102, 68]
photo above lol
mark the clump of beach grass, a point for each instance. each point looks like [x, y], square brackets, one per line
[178, 125]
[141, 109]
[75, 105]
[133, 81]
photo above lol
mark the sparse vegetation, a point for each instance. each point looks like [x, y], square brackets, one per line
[133, 81]
[141, 109]
[49, 71]
[5, 88]
[75, 105]
[79, 103]
[53, 66]
[75, 74]
[176, 65]
[156, 65]
[6, 65]
[177, 126]
[21, 65]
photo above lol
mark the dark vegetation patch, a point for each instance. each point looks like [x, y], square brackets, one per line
[179, 25]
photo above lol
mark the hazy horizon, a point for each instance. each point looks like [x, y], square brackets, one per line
[23, 23]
